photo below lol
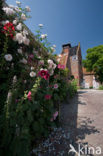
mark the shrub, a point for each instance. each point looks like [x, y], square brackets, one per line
[72, 88]
[101, 87]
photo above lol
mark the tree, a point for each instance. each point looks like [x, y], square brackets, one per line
[94, 61]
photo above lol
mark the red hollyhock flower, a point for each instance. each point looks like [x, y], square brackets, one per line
[44, 74]
[47, 97]
[9, 29]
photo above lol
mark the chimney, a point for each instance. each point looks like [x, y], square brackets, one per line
[66, 48]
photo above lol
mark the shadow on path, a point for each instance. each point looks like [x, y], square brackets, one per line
[70, 122]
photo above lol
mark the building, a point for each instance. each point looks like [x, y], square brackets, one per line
[71, 57]
[89, 80]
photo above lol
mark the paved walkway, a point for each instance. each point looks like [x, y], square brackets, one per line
[84, 117]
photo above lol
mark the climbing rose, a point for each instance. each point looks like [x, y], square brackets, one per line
[47, 97]
[32, 74]
[27, 8]
[44, 74]
[9, 29]
[60, 66]
[29, 96]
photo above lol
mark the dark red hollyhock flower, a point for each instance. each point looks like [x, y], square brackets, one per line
[44, 74]
[9, 29]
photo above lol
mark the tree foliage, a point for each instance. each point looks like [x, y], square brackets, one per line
[94, 61]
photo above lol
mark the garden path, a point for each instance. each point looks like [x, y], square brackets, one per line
[82, 122]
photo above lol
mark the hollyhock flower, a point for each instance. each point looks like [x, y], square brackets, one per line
[8, 11]
[47, 97]
[44, 74]
[40, 25]
[15, 22]
[14, 79]
[25, 32]
[51, 72]
[32, 68]
[31, 56]
[18, 2]
[5, 22]
[32, 74]
[61, 66]
[27, 8]
[54, 46]
[19, 38]
[19, 27]
[29, 96]
[8, 57]
[50, 61]
[23, 61]
[9, 29]
[20, 51]
[43, 36]
[11, 6]
[17, 9]
[23, 16]
[55, 86]
[41, 62]
[53, 49]
[26, 41]
[55, 115]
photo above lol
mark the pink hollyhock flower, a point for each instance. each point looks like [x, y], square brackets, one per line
[31, 56]
[54, 116]
[60, 66]
[29, 96]
[44, 74]
[55, 86]
[47, 97]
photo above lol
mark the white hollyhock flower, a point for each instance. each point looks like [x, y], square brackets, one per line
[25, 32]
[18, 2]
[11, 6]
[26, 41]
[32, 68]
[20, 51]
[23, 61]
[40, 25]
[27, 8]
[14, 79]
[54, 46]
[5, 22]
[19, 38]
[8, 57]
[19, 27]
[32, 74]
[50, 61]
[53, 49]
[43, 36]
[17, 9]
[23, 17]
[54, 66]
[15, 22]
[8, 11]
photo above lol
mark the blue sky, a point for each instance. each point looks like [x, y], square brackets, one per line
[66, 21]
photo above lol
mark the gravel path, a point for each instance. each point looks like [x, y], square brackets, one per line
[81, 124]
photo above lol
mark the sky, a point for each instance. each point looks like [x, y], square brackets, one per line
[67, 21]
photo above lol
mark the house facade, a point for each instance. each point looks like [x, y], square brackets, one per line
[72, 59]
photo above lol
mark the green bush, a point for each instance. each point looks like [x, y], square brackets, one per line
[101, 87]
[72, 88]
[91, 87]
